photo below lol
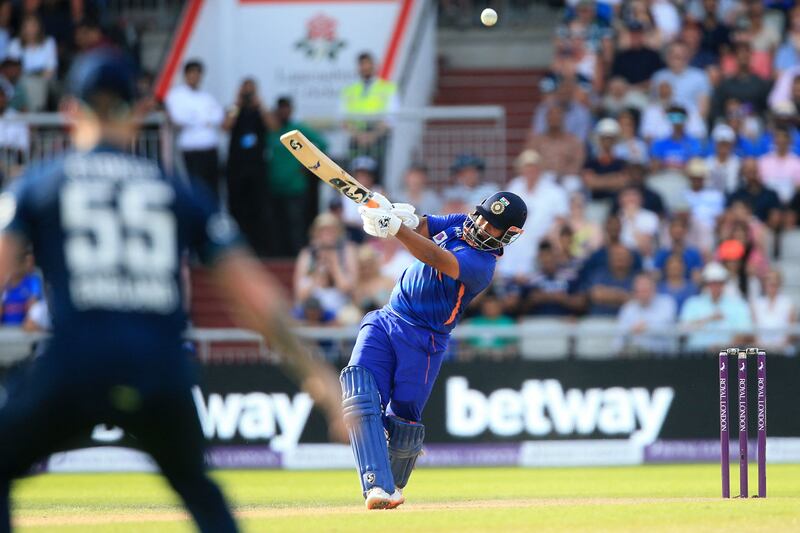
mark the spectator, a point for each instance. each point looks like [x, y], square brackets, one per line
[562, 153]
[716, 34]
[373, 288]
[553, 290]
[38, 55]
[577, 117]
[674, 151]
[38, 318]
[705, 203]
[774, 314]
[630, 147]
[788, 55]
[619, 96]
[645, 322]
[676, 282]
[780, 168]
[740, 224]
[765, 38]
[327, 269]
[690, 85]
[470, 188]
[742, 84]
[547, 203]
[702, 58]
[639, 226]
[786, 89]
[491, 315]
[395, 257]
[365, 170]
[418, 191]
[598, 260]
[247, 121]
[373, 98]
[610, 287]
[603, 172]
[636, 178]
[89, 35]
[6, 10]
[713, 318]
[288, 182]
[637, 63]
[639, 11]
[666, 17]
[565, 250]
[691, 258]
[655, 123]
[14, 140]
[762, 201]
[11, 83]
[586, 236]
[311, 313]
[723, 164]
[198, 117]
[741, 282]
[21, 291]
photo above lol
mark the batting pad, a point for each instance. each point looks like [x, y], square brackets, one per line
[362, 414]
[405, 445]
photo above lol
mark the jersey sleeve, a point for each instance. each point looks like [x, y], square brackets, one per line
[475, 268]
[211, 232]
[437, 223]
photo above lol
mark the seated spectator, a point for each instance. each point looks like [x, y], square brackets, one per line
[639, 11]
[395, 257]
[676, 282]
[666, 18]
[690, 85]
[712, 318]
[89, 35]
[618, 96]
[373, 288]
[702, 58]
[651, 200]
[469, 187]
[731, 254]
[491, 315]
[311, 313]
[762, 201]
[39, 58]
[780, 168]
[656, 124]
[774, 313]
[586, 236]
[21, 291]
[326, 269]
[644, 322]
[630, 147]
[11, 83]
[788, 55]
[739, 223]
[692, 259]
[14, 140]
[597, 261]
[723, 164]
[577, 117]
[639, 226]
[764, 37]
[676, 150]
[418, 191]
[562, 153]
[603, 172]
[610, 287]
[564, 245]
[743, 84]
[38, 318]
[547, 203]
[553, 290]
[705, 204]
[637, 62]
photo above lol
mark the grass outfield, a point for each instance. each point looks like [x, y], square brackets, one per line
[649, 498]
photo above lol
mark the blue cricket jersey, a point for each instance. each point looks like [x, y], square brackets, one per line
[427, 298]
[108, 230]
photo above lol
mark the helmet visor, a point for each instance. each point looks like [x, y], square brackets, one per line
[477, 235]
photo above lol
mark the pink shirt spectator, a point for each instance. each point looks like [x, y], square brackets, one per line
[780, 173]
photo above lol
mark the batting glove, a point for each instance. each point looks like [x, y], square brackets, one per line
[405, 212]
[379, 222]
[381, 200]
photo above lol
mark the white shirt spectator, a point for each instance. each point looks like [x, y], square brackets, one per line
[655, 124]
[705, 205]
[723, 175]
[689, 87]
[35, 59]
[772, 317]
[14, 132]
[666, 17]
[546, 202]
[642, 223]
[782, 90]
[780, 173]
[659, 314]
[197, 114]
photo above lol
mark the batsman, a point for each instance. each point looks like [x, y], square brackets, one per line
[399, 348]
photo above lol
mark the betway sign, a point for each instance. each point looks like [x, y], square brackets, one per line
[543, 407]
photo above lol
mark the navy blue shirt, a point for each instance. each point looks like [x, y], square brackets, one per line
[425, 297]
[108, 230]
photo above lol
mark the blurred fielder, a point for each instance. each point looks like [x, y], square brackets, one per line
[109, 230]
[399, 348]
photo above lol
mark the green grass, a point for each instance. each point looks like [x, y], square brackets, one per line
[652, 498]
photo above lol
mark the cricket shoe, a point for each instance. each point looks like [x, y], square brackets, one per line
[377, 498]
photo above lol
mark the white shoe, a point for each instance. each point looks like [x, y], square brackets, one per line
[377, 498]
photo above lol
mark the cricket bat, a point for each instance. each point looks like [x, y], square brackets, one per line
[325, 169]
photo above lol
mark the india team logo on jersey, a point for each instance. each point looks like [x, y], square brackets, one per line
[440, 237]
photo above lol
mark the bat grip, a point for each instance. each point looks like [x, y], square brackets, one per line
[372, 203]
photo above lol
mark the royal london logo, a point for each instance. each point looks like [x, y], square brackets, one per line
[320, 41]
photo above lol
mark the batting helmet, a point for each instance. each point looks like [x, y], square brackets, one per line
[505, 211]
